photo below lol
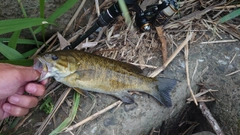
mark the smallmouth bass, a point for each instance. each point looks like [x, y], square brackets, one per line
[86, 71]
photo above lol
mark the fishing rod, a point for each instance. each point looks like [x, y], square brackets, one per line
[156, 13]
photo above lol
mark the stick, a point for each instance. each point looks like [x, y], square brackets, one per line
[211, 120]
[94, 116]
[74, 17]
[187, 72]
[230, 6]
[160, 69]
[50, 39]
[220, 41]
[233, 73]
[97, 7]
[164, 43]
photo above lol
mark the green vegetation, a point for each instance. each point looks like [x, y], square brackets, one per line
[8, 46]
[230, 16]
[47, 105]
[70, 118]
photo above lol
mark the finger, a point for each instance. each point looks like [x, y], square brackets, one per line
[3, 114]
[28, 74]
[20, 90]
[35, 89]
[44, 82]
[24, 101]
[14, 110]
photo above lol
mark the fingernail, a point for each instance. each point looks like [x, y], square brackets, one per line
[14, 99]
[7, 107]
[31, 88]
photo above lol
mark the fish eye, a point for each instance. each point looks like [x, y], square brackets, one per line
[54, 57]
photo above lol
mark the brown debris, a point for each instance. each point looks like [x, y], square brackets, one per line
[163, 41]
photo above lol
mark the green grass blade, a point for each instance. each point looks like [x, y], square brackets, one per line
[60, 11]
[71, 116]
[230, 16]
[29, 53]
[15, 122]
[125, 12]
[21, 62]
[13, 41]
[47, 105]
[21, 41]
[19, 24]
[9, 52]
[25, 15]
[42, 2]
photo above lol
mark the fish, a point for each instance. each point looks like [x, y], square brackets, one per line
[90, 72]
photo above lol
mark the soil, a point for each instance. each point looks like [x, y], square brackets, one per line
[212, 61]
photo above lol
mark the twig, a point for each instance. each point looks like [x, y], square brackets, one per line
[97, 7]
[202, 93]
[164, 43]
[49, 117]
[160, 69]
[231, 30]
[50, 39]
[230, 6]
[233, 58]
[201, 98]
[74, 17]
[187, 72]
[144, 65]
[195, 70]
[211, 120]
[193, 15]
[233, 73]
[92, 117]
[220, 41]
[139, 40]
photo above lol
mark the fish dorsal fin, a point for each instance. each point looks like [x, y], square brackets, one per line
[131, 67]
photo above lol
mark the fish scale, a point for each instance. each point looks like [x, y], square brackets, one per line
[86, 71]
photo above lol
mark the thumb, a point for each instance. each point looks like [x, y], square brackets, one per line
[29, 74]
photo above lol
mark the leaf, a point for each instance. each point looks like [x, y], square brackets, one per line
[230, 16]
[29, 53]
[21, 41]
[30, 28]
[60, 11]
[19, 24]
[10, 53]
[13, 41]
[42, 2]
[125, 12]
[22, 62]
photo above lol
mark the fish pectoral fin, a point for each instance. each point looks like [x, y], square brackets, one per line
[125, 97]
[82, 92]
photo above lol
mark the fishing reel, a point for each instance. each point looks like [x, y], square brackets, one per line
[157, 14]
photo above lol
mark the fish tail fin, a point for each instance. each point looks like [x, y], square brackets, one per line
[161, 93]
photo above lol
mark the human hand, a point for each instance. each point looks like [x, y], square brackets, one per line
[14, 81]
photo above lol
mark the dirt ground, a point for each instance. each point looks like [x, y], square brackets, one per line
[208, 66]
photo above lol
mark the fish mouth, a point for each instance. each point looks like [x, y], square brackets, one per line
[41, 66]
